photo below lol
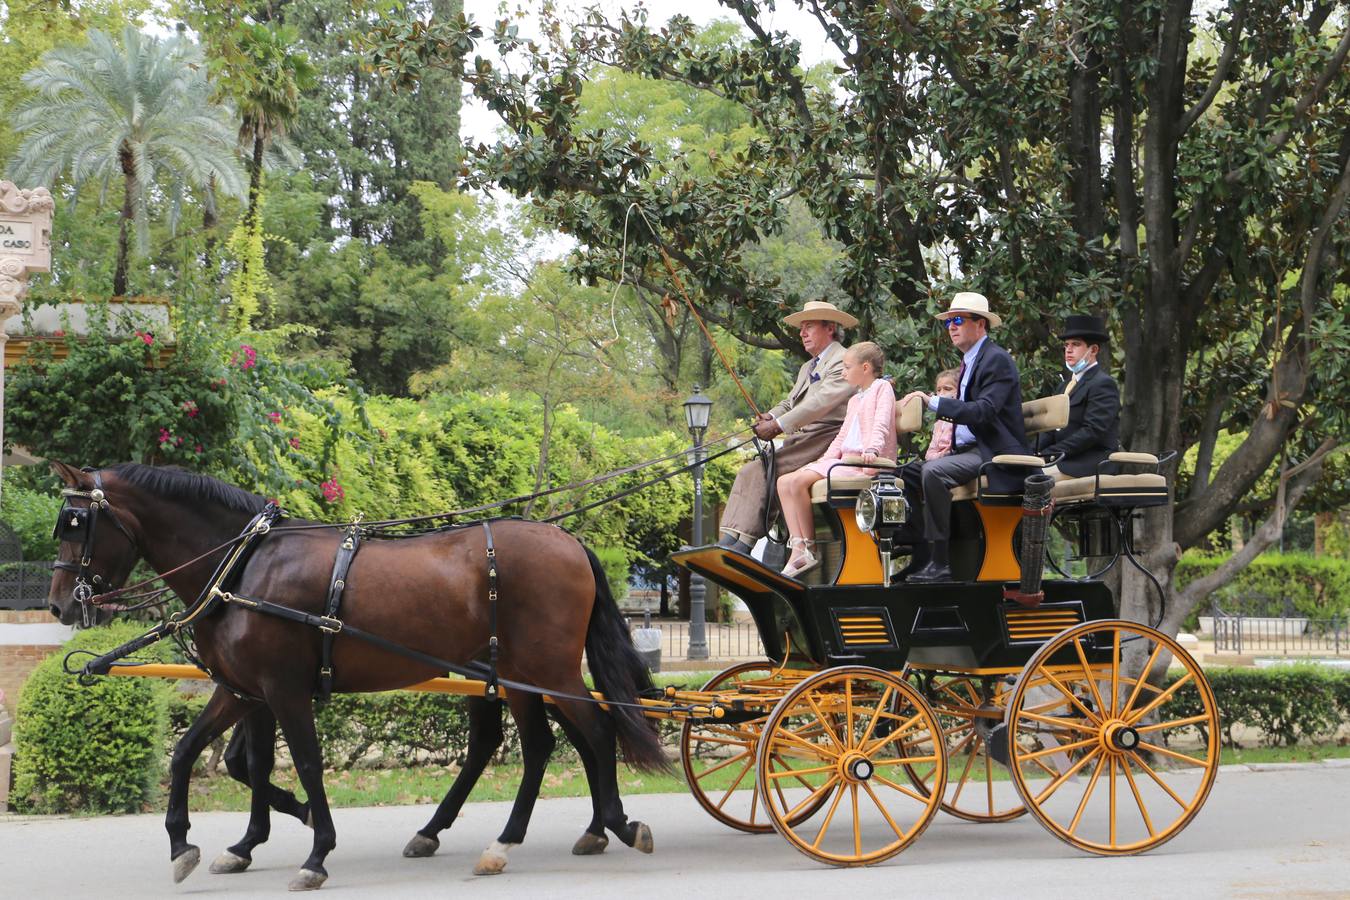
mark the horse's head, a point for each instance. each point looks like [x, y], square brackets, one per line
[97, 549]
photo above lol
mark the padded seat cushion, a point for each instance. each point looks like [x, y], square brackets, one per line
[1120, 488]
[855, 483]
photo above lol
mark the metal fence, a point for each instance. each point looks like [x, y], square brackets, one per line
[737, 640]
[25, 585]
[1282, 634]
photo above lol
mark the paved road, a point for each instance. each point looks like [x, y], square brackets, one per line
[1277, 831]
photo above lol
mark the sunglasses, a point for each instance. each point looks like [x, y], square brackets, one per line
[959, 320]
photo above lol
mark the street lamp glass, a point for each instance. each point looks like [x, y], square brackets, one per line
[697, 410]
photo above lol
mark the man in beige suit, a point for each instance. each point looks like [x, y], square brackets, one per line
[810, 417]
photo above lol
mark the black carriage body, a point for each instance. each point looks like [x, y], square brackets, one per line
[953, 626]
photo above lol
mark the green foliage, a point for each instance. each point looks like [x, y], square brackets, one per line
[1286, 704]
[395, 728]
[219, 404]
[30, 514]
[94, 749]
[1317, 587]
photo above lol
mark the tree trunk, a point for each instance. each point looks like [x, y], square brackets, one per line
[124, 226]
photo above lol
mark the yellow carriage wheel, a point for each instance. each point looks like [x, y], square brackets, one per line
[719, 757]
[1107, 760]
[838, 744]
[979, 788]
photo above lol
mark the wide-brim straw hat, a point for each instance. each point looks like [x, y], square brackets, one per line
[973, 304]
[820, 311]
[1088, 328]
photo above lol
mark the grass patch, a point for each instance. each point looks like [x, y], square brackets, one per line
[428, 784]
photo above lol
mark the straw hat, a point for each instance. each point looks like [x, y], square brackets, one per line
[972, 303]
[820, 311]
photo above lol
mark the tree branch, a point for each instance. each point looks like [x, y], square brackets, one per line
[1220, 71]
[1296, 483]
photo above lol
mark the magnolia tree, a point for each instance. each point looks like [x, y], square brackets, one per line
[1182, 168]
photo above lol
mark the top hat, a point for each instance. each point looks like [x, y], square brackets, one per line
[1088, 328]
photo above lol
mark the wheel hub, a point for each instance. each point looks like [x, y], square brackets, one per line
[856, 768]
[1117, 737]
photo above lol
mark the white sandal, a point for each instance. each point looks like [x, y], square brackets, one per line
[803, 563]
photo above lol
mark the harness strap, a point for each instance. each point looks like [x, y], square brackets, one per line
[491, 690]
[346, 552]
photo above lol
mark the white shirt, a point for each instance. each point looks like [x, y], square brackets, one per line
[962, 435]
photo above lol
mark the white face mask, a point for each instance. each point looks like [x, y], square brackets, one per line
[1078, 367]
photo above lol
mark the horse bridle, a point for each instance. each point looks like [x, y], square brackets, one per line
[78, 525]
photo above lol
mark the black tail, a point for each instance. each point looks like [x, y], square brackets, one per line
[620, 674]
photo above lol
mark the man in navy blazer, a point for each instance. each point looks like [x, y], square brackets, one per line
[1093, 432]
[988, 417]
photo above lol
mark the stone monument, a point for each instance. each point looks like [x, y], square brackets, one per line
[25, 247]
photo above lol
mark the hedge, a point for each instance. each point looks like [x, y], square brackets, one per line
[1286, 704]
[31, 515]
[1316, 586]
[96, 748]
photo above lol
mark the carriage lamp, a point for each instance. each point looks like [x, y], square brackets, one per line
[697, 411]
[881, 505]
[880, 511]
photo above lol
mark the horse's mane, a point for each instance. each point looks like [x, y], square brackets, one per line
[174, 483]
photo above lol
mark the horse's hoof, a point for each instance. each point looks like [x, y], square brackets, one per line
[492, 860]
[228, 863]
[421, 847]
[185, 862]
[307, 880]
[590, 844]
[642, 838]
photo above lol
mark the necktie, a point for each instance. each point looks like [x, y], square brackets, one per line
[812, 376]
[961, 381]
[1073, 383]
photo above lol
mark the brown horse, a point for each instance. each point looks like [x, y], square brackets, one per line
[426, 593]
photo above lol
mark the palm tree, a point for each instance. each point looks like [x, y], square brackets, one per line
[265, 85]
[141, 110]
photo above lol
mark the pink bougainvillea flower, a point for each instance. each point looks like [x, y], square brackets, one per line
[295, 443]
[148, 337]
[275, 417]
[249, 357]
[332, 491]
[190, 407]
[197, 448]
[165, 435]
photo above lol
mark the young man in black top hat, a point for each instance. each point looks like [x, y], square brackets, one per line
[1093, 432]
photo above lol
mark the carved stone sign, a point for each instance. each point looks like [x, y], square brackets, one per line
[25, 247]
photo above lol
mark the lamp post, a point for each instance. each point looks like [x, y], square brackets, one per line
[697, 409]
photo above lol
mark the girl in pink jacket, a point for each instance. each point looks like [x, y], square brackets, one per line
[868, 432]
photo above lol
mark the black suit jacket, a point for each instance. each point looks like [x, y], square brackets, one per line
[993, 411]
[1093, 432]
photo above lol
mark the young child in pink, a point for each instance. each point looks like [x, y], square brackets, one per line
[948, 384]
[868, 432]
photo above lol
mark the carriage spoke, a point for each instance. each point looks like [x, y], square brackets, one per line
[857, 825]
[829, 731]
[1148, 770]
[1111, 793]
[965, 775]
[848, 726]
[1072, 699]
[1157, 701]
[1057, 722]
[745, 770]
[901, 788]
[1138, 800]
[1087, 794]
[1065, 776]
[903, 761]
[1142, 679]
[797, 773]
[727, 762]
[910, 724]
[989, 781]
[1115, 670]
[1175, 723]
[876, 716]
[1179, 757]
[1061, 748]
[818, 749]
[829, 817]
[884, 812]
[1089, 676]
[815, 795]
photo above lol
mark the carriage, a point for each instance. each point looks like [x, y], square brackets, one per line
[883, 703]
[880, 703]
